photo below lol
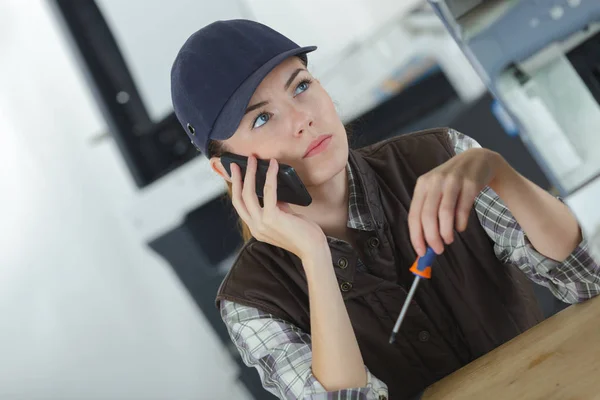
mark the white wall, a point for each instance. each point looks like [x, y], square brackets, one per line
[151, 32]
[86, 310]
[332, 25]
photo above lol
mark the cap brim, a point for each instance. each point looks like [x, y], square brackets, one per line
[234, 109]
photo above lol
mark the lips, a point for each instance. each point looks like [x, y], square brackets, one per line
[315, 144]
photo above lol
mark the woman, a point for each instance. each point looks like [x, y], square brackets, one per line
[313, 295]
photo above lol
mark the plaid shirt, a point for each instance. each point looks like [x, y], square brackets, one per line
[282, 353]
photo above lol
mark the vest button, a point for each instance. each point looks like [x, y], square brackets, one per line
[346, 286]
[342, 262]
[424, 336]
[373, 242]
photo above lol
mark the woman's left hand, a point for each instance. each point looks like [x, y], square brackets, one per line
[444, 196]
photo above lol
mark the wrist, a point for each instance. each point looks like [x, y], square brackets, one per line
[504, 175]
[315, 256]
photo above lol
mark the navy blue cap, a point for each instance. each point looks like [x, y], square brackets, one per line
[217, 71]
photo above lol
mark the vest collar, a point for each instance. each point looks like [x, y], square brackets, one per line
[368, 183]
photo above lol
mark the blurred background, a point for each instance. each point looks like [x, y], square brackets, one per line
[115, 234]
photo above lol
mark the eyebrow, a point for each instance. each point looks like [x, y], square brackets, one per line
[286, 87]
[255, 106]
[292, 77]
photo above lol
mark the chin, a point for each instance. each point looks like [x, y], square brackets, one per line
[323, 167]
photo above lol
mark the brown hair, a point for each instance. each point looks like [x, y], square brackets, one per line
[216, 149]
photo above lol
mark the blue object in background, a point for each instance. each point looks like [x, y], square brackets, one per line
[504, 119]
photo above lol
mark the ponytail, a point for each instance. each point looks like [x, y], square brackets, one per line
[244, 230]
[216, 149]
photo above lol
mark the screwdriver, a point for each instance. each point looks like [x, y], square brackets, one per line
[421, 269]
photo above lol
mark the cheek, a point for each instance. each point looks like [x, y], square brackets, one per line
[323, 106]
[328, 119]
[267, 144]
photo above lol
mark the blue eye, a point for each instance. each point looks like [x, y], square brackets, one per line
[302, 87]
[262, 119]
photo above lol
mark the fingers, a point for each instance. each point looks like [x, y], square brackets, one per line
[270, 188]
[285, 207]
[465, 203]
[236, 193]
[414, 218]
[432, 214]
[429, 217]
[249, 190]
[447, 210]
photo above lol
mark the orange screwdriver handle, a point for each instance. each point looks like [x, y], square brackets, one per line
[422, 266]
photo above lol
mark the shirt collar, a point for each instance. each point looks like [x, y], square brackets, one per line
[359, 216]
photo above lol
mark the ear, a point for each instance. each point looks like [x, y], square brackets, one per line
[218, 168]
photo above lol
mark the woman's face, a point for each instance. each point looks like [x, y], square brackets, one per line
[287, 115]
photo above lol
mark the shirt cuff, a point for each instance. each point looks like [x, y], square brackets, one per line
[573, 280]
[373, 390]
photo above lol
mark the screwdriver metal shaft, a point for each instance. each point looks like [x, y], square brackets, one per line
[422, 270]
[409, 298]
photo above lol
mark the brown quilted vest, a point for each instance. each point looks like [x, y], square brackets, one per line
[472, 304]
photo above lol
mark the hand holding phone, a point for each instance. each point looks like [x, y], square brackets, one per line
[290, 188]
[274, 221]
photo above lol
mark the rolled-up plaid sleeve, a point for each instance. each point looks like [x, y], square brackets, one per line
[573, 280]
[282, 355]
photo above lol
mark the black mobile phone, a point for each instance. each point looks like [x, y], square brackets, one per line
[290, 188]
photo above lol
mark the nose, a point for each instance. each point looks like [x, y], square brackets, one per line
[302, 121]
